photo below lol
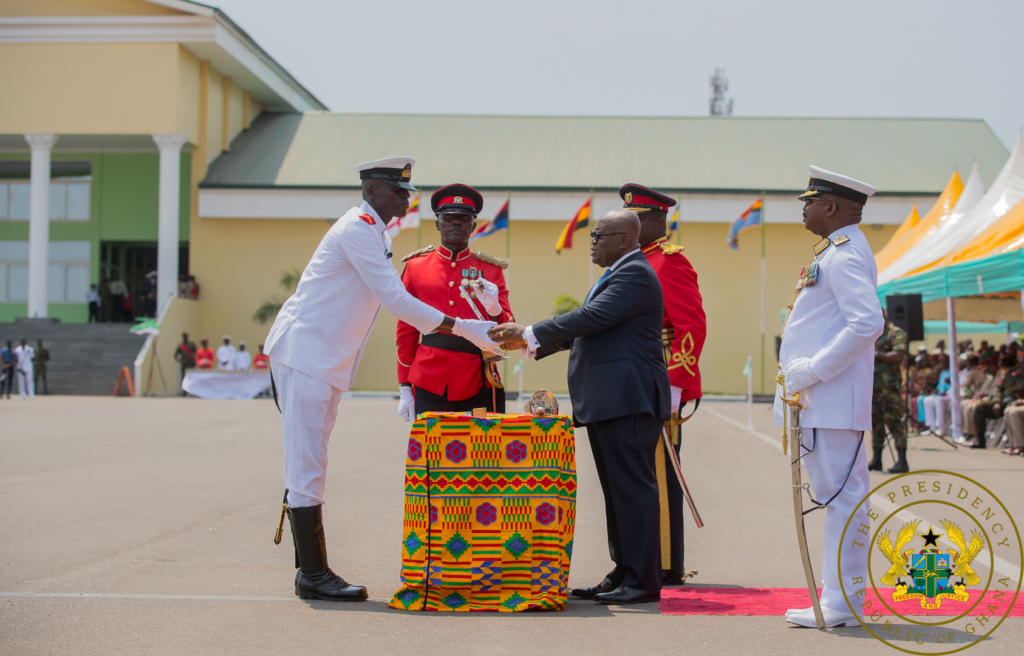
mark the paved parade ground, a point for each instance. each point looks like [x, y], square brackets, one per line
[144, 526]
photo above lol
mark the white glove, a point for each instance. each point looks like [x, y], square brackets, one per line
[487, 292]
[476, 332]
[406, 403]
[799, 376]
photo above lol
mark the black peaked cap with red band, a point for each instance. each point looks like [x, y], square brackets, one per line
[638, 198]
[458, 199]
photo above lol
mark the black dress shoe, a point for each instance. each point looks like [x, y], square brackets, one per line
[589, 593]
[623, 595]
[326, 585]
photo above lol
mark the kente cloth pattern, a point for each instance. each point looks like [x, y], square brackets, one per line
[490, 513]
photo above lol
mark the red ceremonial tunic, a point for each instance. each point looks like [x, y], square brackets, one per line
[204, 358]
[434, 278]
[685, 326]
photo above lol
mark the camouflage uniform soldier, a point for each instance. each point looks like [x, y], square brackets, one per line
[887, 407]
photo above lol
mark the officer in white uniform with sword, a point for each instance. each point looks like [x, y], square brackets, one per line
[317, 341]
[827, 355]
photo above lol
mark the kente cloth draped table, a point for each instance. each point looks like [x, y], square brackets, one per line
[490, 512]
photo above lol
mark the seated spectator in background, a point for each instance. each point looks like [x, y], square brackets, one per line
[93, 298]
[920, 383]
[204, 356]
[920, 358]
[979, 394]
[993, 405]
[1013, 388]
[972, 376]
[243, 359]
[226, 355]
[936, 404]
[262, 361]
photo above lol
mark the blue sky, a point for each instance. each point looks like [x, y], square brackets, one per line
[652, 57]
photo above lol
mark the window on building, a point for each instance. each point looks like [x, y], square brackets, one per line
[67, 278]
[70, 190]
[69, 199]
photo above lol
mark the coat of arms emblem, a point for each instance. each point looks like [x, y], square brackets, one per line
[930, 572]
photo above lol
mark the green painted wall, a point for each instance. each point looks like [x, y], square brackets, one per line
[124, 198]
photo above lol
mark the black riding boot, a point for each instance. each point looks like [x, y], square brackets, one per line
[876, 460]
[901, 466]
[315, 580]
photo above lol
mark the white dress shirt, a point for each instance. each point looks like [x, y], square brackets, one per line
[835, 323]
[322, 329]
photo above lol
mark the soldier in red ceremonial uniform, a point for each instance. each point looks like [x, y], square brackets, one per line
[441, 372]
[683, 334]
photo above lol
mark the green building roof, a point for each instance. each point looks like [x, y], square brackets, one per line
[713, 154]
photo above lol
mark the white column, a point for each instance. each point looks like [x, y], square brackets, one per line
[170, 192]
[39, 223]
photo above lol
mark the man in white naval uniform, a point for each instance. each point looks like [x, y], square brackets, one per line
[317, 341]
[24, 355]
[828, 355]
[226, 355]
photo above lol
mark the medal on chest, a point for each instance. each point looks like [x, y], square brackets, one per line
[808, 276]
[468, 276]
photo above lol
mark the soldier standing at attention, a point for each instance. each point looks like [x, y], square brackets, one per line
[39, 360]
[827, 355]
[887, 407]
[204, 356]
[185, 354]
[441, 372]
[682, 334]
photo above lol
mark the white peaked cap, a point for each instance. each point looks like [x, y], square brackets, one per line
[389, 163]
[823, 181]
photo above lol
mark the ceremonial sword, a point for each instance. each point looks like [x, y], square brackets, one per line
[490, 366]
[678, 470]
[791, 428]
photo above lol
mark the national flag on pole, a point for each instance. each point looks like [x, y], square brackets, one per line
[410, 220]
[491, 226]
[578, 222]
[673, 225]
[751, 218]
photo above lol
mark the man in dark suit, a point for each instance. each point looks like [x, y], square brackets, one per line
[620, 394]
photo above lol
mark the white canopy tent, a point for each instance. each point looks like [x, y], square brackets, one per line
[962, 226]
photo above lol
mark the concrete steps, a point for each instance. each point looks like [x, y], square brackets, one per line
[84, 358]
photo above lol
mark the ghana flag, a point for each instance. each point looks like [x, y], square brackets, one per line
[578, 222]
[751, 218]
[491, 226]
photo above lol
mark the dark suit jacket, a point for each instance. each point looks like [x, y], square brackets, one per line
[616, 364]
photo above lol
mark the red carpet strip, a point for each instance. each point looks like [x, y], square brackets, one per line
[776, 601]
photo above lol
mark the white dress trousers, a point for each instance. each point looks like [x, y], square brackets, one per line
[309, 408]
[834, 450]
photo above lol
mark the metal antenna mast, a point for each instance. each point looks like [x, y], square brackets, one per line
[719, 85]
